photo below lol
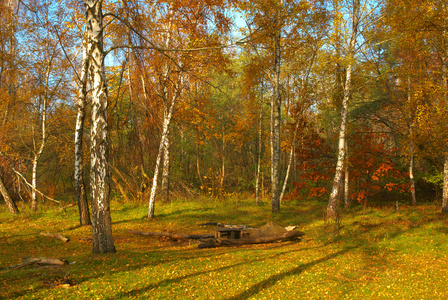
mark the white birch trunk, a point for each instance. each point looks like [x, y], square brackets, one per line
[276, 118]
[83, 206]
[166, 167]
[445, 87]
[411, 147]
[166, 141]
[445, 165]
[346, 179]
[99, 137]
[333, 203]
[41, 145]
[290, 160]
[166, 124]
[257, 175]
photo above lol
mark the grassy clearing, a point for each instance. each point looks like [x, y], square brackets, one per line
[379, 254]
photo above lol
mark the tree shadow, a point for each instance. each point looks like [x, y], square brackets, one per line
[170, 281]
[253, 290]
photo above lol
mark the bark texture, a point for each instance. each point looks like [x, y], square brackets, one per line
[99, 139]
[83, 205]
[166, 124]
[445, 89]
[260, 143]
[9, 202]
[335, 195]
[445, 165]
[276, 117]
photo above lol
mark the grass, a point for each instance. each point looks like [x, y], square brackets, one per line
[378, 254]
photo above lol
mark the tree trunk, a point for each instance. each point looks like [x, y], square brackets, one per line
[276, 118]
[40, 149]
[166, 124]
[223, 165]
[9, 202]
[445, 91]
[165, 188]
[83, 205]
[445, 166]
[99, 137]
[257, 175]
[333, 203]
[346, 179]
[290, 160]
[411, 147]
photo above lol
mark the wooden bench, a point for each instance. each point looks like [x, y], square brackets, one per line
[228, 233]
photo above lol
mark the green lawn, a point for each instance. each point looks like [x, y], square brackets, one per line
[379, 254]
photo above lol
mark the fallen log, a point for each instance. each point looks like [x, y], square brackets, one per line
[260, 240]
[46, 260]
[55, 236]
[173, 235]
[26, 261]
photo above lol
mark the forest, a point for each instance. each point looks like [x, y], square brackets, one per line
[281, 101]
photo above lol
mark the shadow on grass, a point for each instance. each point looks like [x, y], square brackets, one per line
[170, 281]
[255, 289]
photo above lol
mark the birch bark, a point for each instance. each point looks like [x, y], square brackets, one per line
[445, 87]
[333, 203]
[40, 145]
[99, 138]
[276, 117]
[83, 205]
[411, 147]
[166, 124]
[257, 174]
[445, 165]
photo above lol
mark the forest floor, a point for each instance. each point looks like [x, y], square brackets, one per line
[378, 254]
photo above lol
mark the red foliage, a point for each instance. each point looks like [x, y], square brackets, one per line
[372, 163]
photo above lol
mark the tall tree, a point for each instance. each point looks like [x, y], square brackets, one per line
[83, 205]
[276, 109]
[333, 203]
[99, 138]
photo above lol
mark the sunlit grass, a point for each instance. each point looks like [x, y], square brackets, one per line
[378, 254]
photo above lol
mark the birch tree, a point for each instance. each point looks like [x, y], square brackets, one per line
[99, 138]
[276, 111]
[165, 130]
[83, 205]
[444, 62]
[333, 203]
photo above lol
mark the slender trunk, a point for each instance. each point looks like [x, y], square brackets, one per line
[290, 160]
[165, 189]
[411, 174]
[333, 203]
[99, 137]
[8, 200]
[445, 186]
[223, 165]
[166, 124]
[166, 141]
[198, 169]
[346, 179]
[276, 120]
[445, 87]
[83, 205]
[38, 153]
[445, 166]
[257, 175]
[411, 148]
